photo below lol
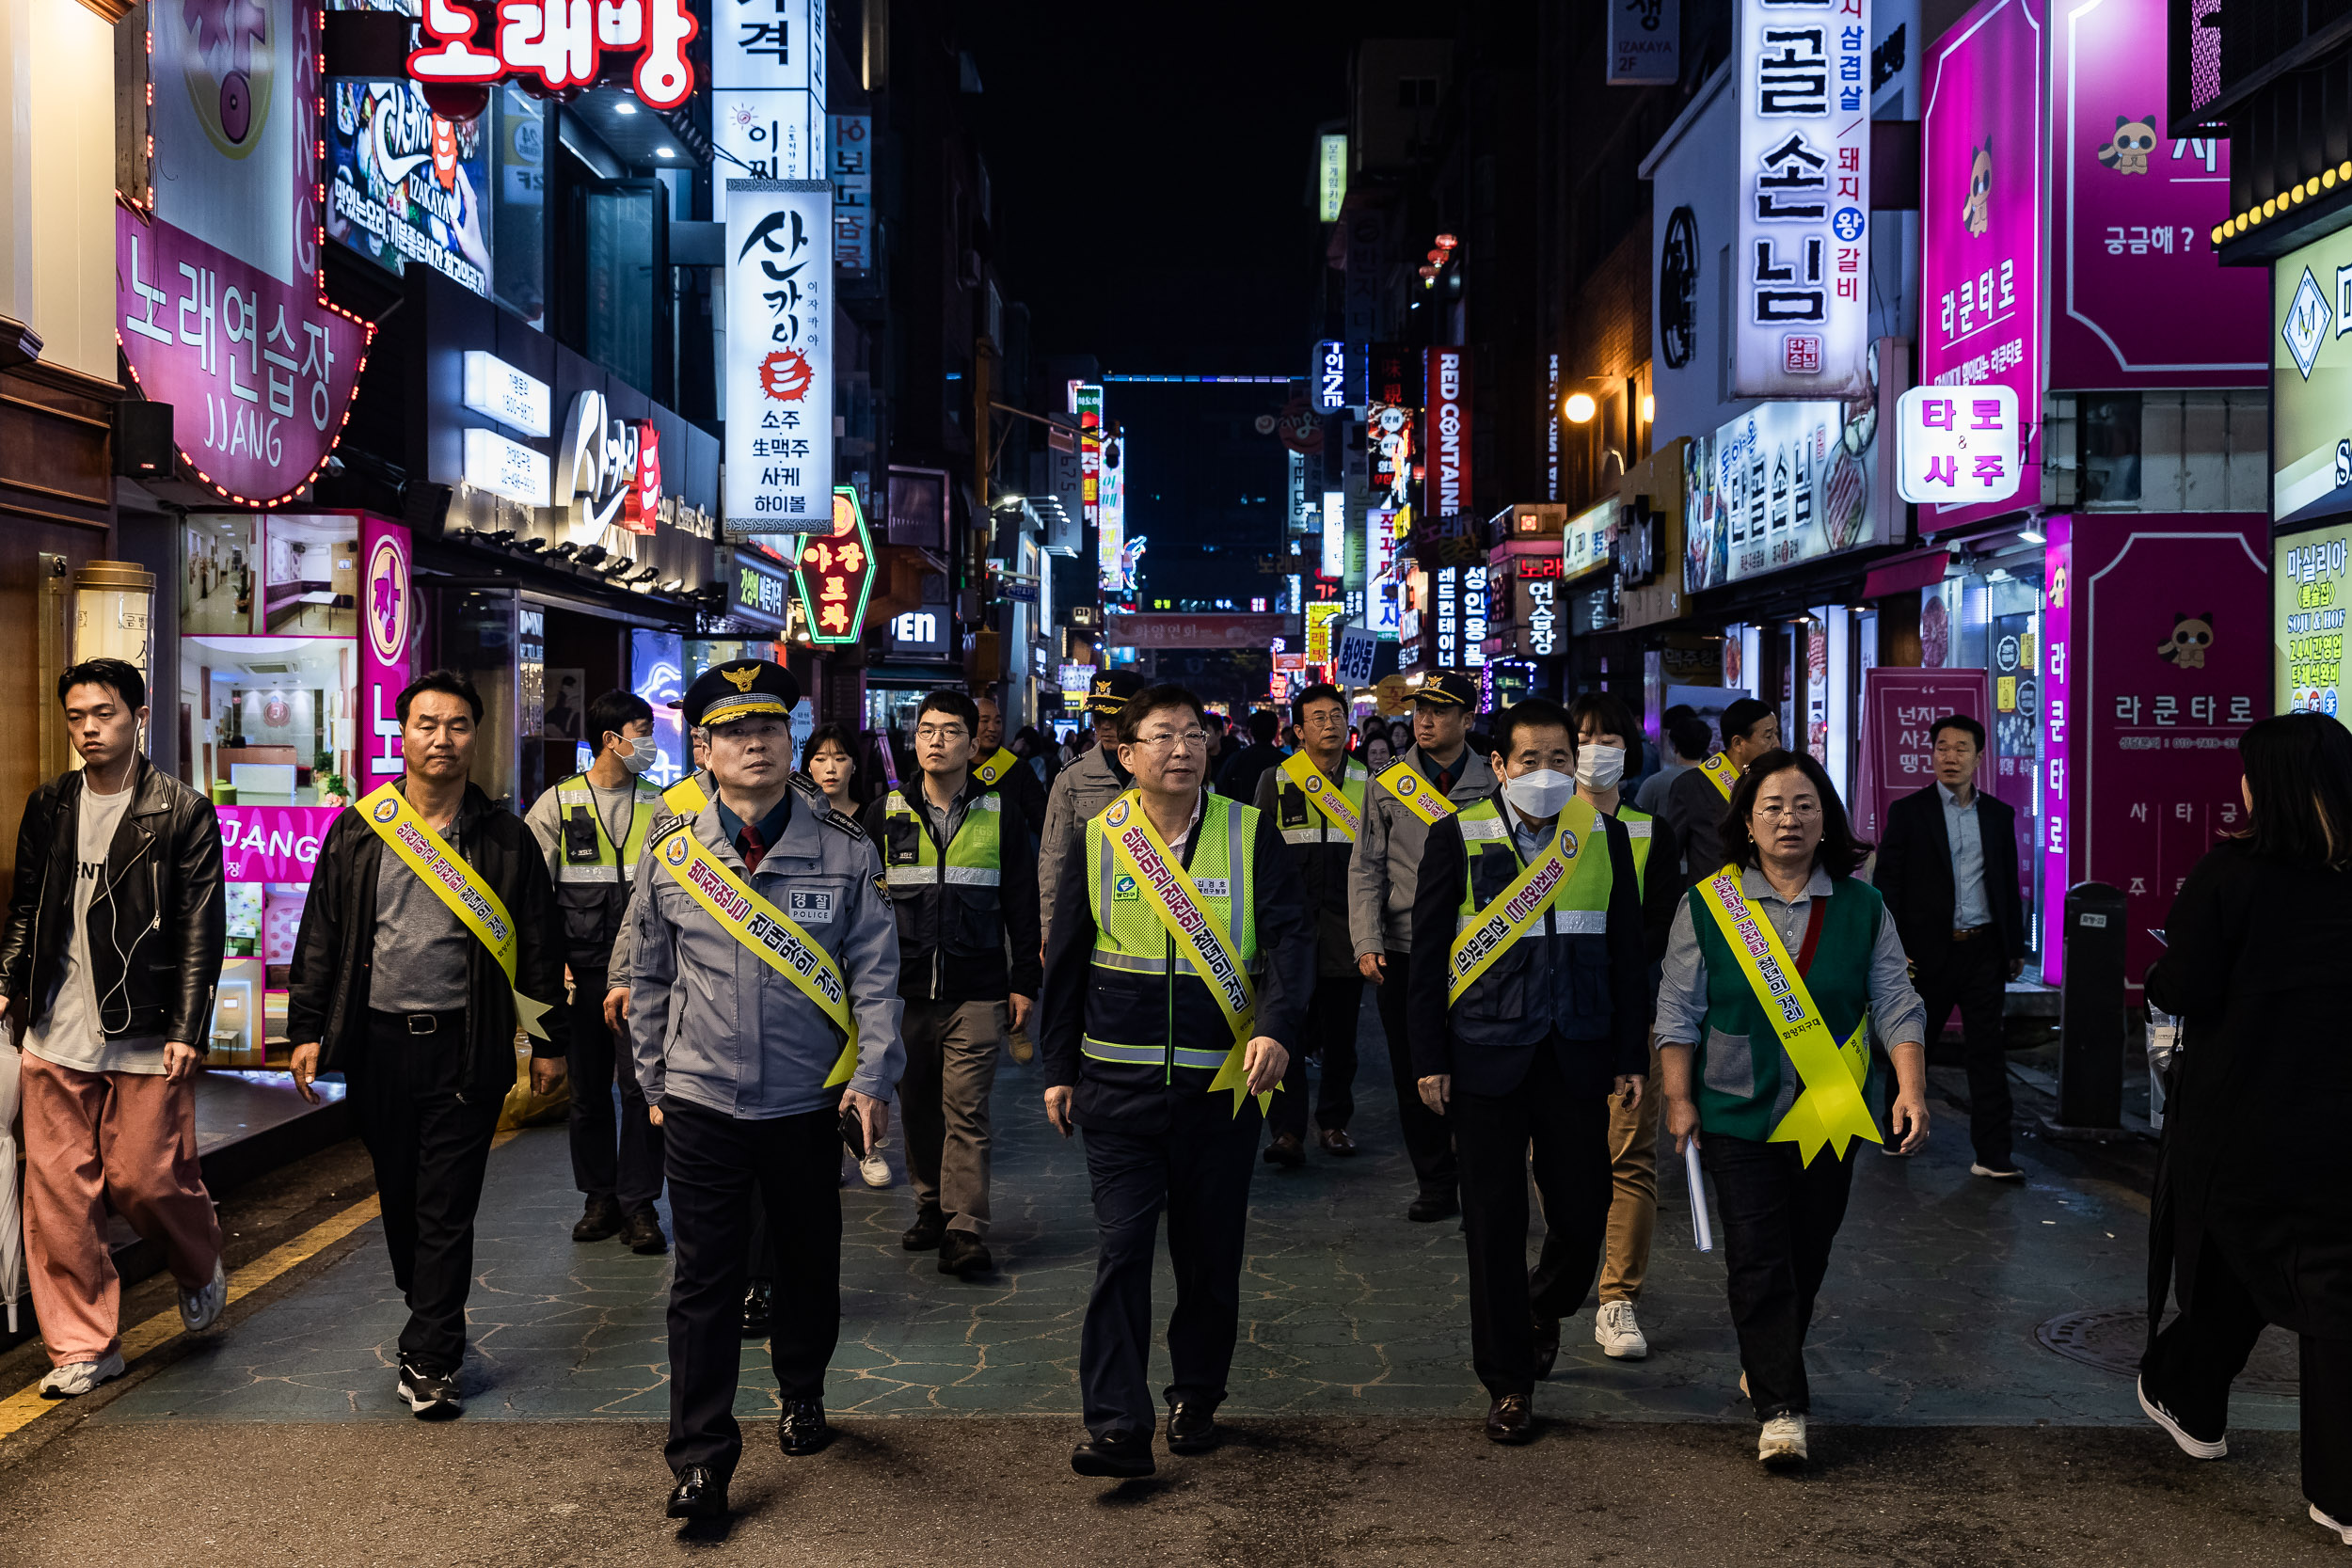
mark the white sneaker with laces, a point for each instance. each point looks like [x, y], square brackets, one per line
[76, 1378]
[875, 1169]
[1619, 1332]
[2324, 1522]
[1782, 1441]
[201, 1309]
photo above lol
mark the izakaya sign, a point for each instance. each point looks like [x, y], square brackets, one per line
[834, 574]
[220, 311]
[1803, 77]
[560, 44]
[778, 438]
[1446, 487]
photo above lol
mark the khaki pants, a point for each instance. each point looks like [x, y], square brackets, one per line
[1633, 1209]
[942, 1101]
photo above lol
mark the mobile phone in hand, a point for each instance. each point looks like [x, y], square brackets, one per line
[853, 1132]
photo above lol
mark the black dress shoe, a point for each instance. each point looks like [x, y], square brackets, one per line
[759, 1309]
[1119, 1456]
[801, 1429]
[964, 1255]
[1286, 1151]
[1336, 1141]
[698, 1495]
[642, 1232]
[1431, 1207]
[1191, 1427]
[1546, 1346]
[928, 1230]
[600, 1219]
[1510, 1420]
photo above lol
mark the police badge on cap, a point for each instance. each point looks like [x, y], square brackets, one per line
[741, 688]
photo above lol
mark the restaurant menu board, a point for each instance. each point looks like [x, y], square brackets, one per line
[2308, 599]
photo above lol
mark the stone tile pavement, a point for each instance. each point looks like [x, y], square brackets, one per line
[1927, 1318]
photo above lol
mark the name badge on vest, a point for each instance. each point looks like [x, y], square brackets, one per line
[1213, 887]
[810, 909]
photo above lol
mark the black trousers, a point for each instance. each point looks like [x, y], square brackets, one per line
[2190, 1365]
[600, 1061]
[715, 1164]
[428, 1132]
[1569, 1131]
[1428, 1137]
[1331, 1033]
[1974, 976]
[1777, 1216]
[1199, 1171]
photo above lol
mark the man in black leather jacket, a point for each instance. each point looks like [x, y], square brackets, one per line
[113, 948]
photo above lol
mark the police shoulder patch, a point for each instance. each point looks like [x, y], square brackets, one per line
[844, 823]
[882, 883]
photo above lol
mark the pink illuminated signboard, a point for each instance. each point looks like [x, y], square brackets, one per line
[387, 625]
[1981, 206]
[1900, 708]
[271, 843]
[2138, 298]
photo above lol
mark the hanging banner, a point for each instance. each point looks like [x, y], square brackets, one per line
[779, 391]
[1801, 265]
[767, 87]
[853, 164]
[1446, 482]
[388, 624]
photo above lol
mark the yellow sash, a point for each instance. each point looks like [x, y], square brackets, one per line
[1415, 791]
[1830, 1109]
[1517, 907]
[766, 932]
[438, 867]
[1718, 768]
[996, 768]
[686, 797]
[1167, 886]
[1337, 809]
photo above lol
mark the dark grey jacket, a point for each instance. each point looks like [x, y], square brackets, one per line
[1386, 866]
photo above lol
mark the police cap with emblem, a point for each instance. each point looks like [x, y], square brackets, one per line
[1110, 689]
[1444, 687]
[741, 688]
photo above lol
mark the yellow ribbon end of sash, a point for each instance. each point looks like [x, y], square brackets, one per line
[1832, 1114]
[529, 1013]
[844, 1065]
[1232, 1076]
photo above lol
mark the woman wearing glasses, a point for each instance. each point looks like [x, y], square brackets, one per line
[1776, 967]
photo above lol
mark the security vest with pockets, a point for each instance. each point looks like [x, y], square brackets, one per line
[592, 873]
[947, 898]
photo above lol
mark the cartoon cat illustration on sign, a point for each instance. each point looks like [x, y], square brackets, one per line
[2191, 636]
[2126, 152]
[1977, 215]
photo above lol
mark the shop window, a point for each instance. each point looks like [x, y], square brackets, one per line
[624, 224]
[2110, 449]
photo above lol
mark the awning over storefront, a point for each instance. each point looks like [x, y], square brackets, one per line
[1904, 573]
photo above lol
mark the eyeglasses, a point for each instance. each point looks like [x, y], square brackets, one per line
[941, 732]
[1802, 811]
[1188, 740]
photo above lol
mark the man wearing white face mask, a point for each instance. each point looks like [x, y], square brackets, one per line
[1535, 1022]
[591, 828]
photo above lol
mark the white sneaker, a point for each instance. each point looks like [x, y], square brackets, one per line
[201, 1309]
[76, 1378]
[2009, 1174]
[2196, 1448]
[2324, 1522]
[1619, 1332]
[875, 1169]
[1782, 1441]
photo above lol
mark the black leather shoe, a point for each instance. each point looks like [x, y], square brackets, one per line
[698, 1495]
[928, 1230]
[1191, 1427]
[964, 1255]
[1546, 1346]
[642, 1232]
[1119, 1456]
[1336, 1141]
[1510, 1420]
[600, 1219]
[759, 1309]
[1432, 1207]
[1286, 1151]
[801, 1429]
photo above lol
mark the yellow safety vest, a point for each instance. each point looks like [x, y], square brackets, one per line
[974, 857]
[603, 864]
[1127, 1020]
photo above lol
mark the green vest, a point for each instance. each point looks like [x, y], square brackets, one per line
[1131, 1015]
[1744, 1081]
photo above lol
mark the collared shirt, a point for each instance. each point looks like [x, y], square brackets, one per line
[1442, 780]
[1532, 839]
[946, 819]
[1960, 829]
[771, 827]
[1897, 1014]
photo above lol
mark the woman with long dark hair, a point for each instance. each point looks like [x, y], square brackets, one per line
[2253, 1207]
[1781, 960]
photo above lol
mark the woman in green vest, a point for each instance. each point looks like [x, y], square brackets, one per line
[1775, 968]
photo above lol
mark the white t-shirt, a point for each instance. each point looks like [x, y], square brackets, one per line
[69, 1033]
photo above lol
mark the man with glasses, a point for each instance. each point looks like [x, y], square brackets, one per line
[1177, 973]
[958, 895]
[1316, 797]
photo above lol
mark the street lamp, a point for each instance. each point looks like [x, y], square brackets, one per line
[1580, 408]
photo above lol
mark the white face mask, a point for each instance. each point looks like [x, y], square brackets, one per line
[1599, 768]
[638, 756]
[1539, 794]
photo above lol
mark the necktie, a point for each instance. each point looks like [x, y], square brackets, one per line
[748, 843]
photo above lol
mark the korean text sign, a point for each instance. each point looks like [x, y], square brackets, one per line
[1802, 263]
[833, 575]
[1900, 707]
[768, 87]
[1958, 443]
[1981, 206]
[2311, 435]
[560, 44]
[779, 439]
[2310, 593]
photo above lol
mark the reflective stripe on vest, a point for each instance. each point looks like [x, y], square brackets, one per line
[608, 867]
[974, 858]
[1132, 948]
[1581, 907]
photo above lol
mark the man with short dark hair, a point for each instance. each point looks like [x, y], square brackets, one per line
[1696, 799]
[1238, 781]
[592, 827]
[428, 937]
[1678, 727]
[1948, 869]
[961, 882]
[115, 934]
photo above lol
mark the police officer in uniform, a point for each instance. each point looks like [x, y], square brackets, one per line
[763, 973]
[1161, 1072]
[592, 827]
[1084, 788]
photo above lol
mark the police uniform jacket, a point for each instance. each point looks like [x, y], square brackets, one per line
[713, 1024]
[1081, 792]
[958, 902]
[1385, 870]
[1322, 854]
[1171, 1010]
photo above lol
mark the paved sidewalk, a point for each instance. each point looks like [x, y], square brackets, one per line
[1348, 1309]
